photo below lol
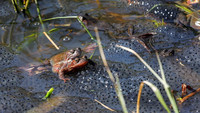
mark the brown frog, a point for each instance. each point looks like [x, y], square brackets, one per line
[62, 63]
[67, 62]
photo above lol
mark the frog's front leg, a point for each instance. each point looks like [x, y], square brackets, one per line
[61, 75]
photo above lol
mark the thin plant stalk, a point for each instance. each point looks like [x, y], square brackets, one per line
[103, 56]
[138, 56]
[114, 80]
[189, 95]
[171, 98]
[86, 29]
[14, 5]
[166, 86]
[104, 105]
[51, 40]
[26, 5]
[63, 17]
[161, 68]
[139, 96]
[120, 94]
[44, 30]
[39, 16]
[153, 8]
[158, 95]
[73, 17]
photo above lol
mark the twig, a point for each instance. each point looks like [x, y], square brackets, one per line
[104, 105]
[51, 40]
[189, 95]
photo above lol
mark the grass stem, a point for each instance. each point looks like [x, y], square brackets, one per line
[39, 16]
[51, 40]
[114, 80]
[166, 86]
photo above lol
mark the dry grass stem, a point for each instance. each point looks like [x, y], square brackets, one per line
[104, 105]
[114, 80]
[51, 40]
[103, 56]
[139, 96]
[189, 95]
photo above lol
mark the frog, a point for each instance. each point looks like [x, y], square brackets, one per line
[67, 62]
[63, 63]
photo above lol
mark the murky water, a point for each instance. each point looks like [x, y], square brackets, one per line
[23, 43]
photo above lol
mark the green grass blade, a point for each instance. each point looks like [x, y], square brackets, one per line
[86, 29]
[72, 17]
[14, 5]
[161, 68]
[53, 30]
[141, 59]
[120, 95]
[185, 9]
[158, 95]
[171, 98]
[26, 5]
[63, 17]
[114, 80]
[166, 86]
[39, 16]
[153, 8]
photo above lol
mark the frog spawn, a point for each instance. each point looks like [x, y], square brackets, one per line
[6, 13]
[94, 83]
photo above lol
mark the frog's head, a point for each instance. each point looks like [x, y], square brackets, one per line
[73, 53]
[80, 63]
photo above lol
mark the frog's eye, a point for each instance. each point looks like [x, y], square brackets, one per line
[77, 52]
[78, 49]
[77, 59]
[85, 57]
[72, 51]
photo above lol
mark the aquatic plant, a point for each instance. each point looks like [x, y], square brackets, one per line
[21, 6]
[115, 78]
[162, 80]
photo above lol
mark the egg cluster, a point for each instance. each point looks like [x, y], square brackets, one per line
[6, 11]
[20, 92]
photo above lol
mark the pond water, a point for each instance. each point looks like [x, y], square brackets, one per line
[23, 44]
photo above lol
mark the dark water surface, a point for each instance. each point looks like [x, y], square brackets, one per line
[20, 92]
